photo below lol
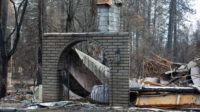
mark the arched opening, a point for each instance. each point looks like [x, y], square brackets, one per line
[84, 69]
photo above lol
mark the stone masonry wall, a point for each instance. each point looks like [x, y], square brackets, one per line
[108, 18]
[56, 44]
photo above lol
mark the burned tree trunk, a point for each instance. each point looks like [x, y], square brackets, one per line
[40, 26]
[175, 34]
[170, 28]
[3, 53]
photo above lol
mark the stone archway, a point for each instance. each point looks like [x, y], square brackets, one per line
[55, 45]
[81, 84]
[75, 41]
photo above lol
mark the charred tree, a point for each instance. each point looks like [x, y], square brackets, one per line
[155, 18]
[5, 55]
[170, 28]
[149, 17]
[3, 51]
[175, 34]
[40, 27]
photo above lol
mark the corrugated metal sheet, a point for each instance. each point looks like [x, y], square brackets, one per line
[100, 93]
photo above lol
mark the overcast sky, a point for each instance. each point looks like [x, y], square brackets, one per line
[194, 18]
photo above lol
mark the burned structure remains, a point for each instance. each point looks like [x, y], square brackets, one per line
[57, 47]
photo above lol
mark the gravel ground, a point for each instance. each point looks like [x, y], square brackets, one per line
[87, 107]
[71, 106]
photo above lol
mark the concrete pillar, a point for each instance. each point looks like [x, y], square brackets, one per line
[109, 15]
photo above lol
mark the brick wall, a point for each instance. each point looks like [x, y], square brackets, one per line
[56, 47]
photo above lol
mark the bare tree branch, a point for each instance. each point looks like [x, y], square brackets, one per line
[10, 35]
[16, 21]
[16, 13]
[16, 18]
[18, 26]
[20, 5]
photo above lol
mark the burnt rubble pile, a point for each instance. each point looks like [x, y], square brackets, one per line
[172, 85]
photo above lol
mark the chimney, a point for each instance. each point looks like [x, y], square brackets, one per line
[108, 15]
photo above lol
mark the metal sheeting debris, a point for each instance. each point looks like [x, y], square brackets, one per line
[51, 104]
[100, 93]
